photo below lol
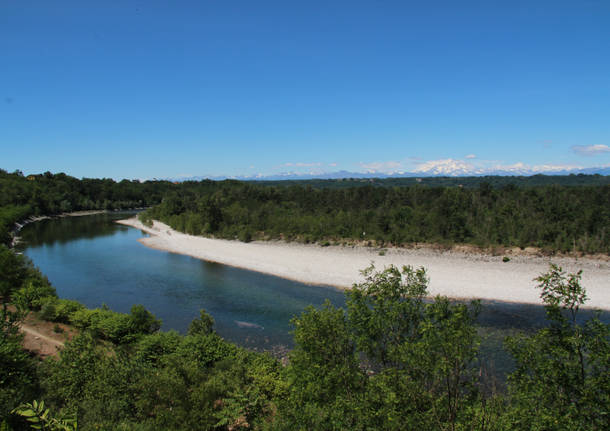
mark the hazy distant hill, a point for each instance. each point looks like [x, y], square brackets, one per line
[442, 171]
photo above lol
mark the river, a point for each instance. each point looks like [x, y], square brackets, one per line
[95, 261]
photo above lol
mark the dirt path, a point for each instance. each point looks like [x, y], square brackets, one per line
[35, 333]
[41, 339]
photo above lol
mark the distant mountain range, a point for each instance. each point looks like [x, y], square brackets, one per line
[444, 170]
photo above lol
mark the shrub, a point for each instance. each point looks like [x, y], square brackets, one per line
[33, 293]
[119, 328]
[48, 310]
[142, 321]
[245, 236]
[65, 308]
[59, 310]
[81, 318]
[204, 325]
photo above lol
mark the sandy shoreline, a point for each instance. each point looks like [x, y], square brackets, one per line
[457, 275]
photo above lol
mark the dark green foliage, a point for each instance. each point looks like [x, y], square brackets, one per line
[40, 417]
[444, 359]
[22, 287]
[385, 311]
[562, 381]
[152, 348]
[466, 182]
[50, 194]
[21, 283]
[390, 362]
[107, 324]
[143, 321]
[34, 293]
[116, 327]
[559, 213]
[18, 381]
[59, 309]
[13, 273]
[558, 218]
[204, 325]
[9, 215]
[165, 381]
[325, 382]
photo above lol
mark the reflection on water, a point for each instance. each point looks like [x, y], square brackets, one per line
[96, 261]
[62, 230]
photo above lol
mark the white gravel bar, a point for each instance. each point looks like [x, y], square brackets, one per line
[454, 274]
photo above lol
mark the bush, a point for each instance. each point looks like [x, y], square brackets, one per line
[48, 310]
[561, 380]
[143, 321]
[17, 375]
[82, 318]
[204, 325]
[245, 236]
[151, 348]
[59, 310]
[119, 328]
[34, 293]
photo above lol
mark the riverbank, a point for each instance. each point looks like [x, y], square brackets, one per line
[455, 274]
[22, 223]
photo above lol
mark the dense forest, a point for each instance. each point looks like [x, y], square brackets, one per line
[569, 213]
[50, 194]
[389, 360]
[467, 182]
[554, 217]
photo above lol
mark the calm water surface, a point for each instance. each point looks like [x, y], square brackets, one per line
[95, 261]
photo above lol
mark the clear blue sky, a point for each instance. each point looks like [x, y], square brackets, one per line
[143, 89]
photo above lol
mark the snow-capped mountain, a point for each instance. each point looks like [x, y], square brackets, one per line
[439, 168]
[448, 168]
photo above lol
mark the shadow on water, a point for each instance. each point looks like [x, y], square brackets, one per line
[65, 229]
[96, 261]
[499, 320]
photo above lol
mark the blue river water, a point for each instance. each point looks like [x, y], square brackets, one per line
[95, 261]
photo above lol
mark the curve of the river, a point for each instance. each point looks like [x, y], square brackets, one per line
[95, 261]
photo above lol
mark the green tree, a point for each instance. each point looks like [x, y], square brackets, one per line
[444, 360]
[562, 379]
[13, 272]
[18, 381]
[40, 418]
[204, 325]
[385, 312]
[143, 321]
[325, 382]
